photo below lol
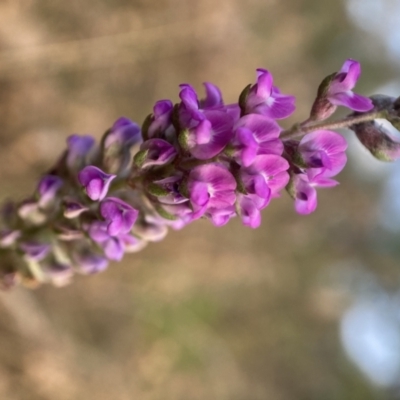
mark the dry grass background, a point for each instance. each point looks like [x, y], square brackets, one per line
[208, 313]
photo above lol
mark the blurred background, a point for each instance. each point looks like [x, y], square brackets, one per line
[301, 308]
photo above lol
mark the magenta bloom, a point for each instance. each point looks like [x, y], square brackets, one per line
[192, 109]
[213, 97]
[305, 195]
[324, 149]
[304, 186]
[119, 215]
[48, 187]
[159, 152]
[249, 212]
[256, 134]
[112, 246]
[266, 99]
[265, 178]
[95, 181]
[211, 135]
[339, 92]
[220, 216]
[162, 113]
[211, 186]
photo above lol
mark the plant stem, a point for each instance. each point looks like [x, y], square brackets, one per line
[300, 129]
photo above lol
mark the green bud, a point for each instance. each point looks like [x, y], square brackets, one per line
[140, 158]
[243, 98]
[322, 108]
[183, 140]
[145, 126]
[377, 140]
[165, 214]
[157, 190]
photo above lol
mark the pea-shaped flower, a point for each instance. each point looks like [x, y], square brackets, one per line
[95, 181]
[120, 216]
[211, 186]
[324, 149]
[256, 134]
[266, 99]
[340, 92]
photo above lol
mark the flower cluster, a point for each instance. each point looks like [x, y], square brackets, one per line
[199, 158]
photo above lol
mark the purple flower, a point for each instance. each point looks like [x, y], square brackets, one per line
[213, 97]
[34, 250]
[211, 135]
[324, 149]
[162, 113]
[304, 188]
[265, 178]
[211, 186]
[78, 149]
[305, 195]
[266, 99]
[119, 215]
[193, 109]
[156, 152]
[112, 246]
[190, 108]
[220, 216]
[339, 91]
[48, 188]
[256, 134]
[249, 212]
[95, 181]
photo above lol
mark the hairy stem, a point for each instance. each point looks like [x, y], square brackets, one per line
[298, 130]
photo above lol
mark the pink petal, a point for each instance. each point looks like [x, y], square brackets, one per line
[352, 71]
[306, 197]
[213, 96]
[351, 100]
[264, 83]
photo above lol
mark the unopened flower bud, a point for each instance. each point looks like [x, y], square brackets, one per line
[79, 147]
[72, 208]
[378, 140]
[9, 237]
[29, 212]
[117, 143]
[47, 189]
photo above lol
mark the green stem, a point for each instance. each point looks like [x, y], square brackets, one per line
[302, 129]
